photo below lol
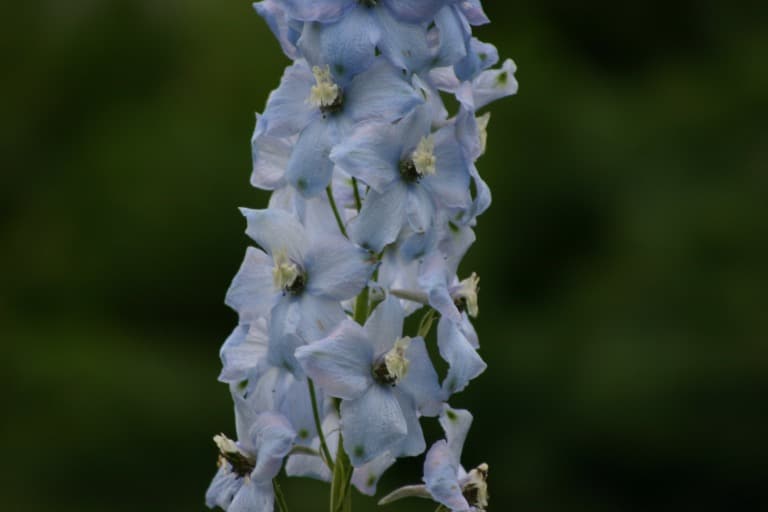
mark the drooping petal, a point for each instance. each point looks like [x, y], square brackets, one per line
[465, 363]
[414, 443]
[381, 218]
[223, 488]
[365, 477]
[421, 381]
[273, 436]
[441, 476]
[280, 24]
[371, 424]
[450, 185]
[252, 293]
[347, 46]
[341, 363]
[309, 167]
[481, 56]
[276, 231]
[337, 269]
[455, 423]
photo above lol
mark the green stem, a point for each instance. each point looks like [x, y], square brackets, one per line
[358, 202]
[336, 211]
[319, 426]
[426, 323]
[341, 486]
[279, 497]
[361, 307]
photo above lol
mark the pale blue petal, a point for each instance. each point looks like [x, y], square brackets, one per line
[415, 10]
[380, 94]
[414, 443]
[421, 381]
[371, 153]
[371, 424]
[282, 345]
[404, 44]
[294, 404]
[494, 84]
[347, 47]
[366, 477]
[244, 352]
[317, 10]
[254, 496]
[453, 34]
[464, 361]
[474, 12]
[252, 293]
[273, 436]
[381, 218]
[288, 111]
[309, 167]
[280, 24]
[481, 56]
[441, 476]
[223, 488]
[276, 231]
[337, 269]
[456, 424]
[308, 316]
[270, 159]
[385, 325]
[340, 364]
[419, 209]
[450, 185]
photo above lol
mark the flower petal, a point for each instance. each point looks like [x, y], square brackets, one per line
[421, 381]
[465, 363]
[276, 231]
[441, 476]
[381, 218]
[371, 424]
[252, 293]
[337, 269]
[367, 476]
[341, 363]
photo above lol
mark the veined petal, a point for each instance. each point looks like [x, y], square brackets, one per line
[287, 111]
[421, 381]
[223, 488]
[337, 269]
[381, 218]
[404, 44]
[450, 185]
[414, 443]
[380, 94]
[371, 153]
[441, 476]
[252, 292]
[465, 363]
[244, 351]
[341, 363]
[419, 209]
[270, 159]
[385, 324]
[276, 231]
[309, 168]
[371, 424]
[347, 46]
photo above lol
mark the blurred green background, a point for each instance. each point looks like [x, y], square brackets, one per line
[623, 263]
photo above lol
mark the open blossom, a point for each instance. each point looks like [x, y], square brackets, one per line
[375, 194]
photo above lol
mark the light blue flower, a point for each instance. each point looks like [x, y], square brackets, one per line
[412, 172]
[384, 382]
[285, 29]
[243, 482]
[331, 10]
[311, 105]
[445, 480]
[299, 281]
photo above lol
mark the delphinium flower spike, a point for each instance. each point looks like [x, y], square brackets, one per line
[375, 194]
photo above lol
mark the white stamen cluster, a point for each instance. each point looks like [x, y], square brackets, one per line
[225, 444]
[325, 92]
[479, 486]
[468, 290]
[285, 272]
[424, 157]
[482, 128]
[395, 360]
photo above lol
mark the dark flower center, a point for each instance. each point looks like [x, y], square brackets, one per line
[408, 171]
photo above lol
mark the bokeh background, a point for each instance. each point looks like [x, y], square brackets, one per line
[623, 263]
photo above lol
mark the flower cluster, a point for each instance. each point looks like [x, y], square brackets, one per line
[375, 195]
